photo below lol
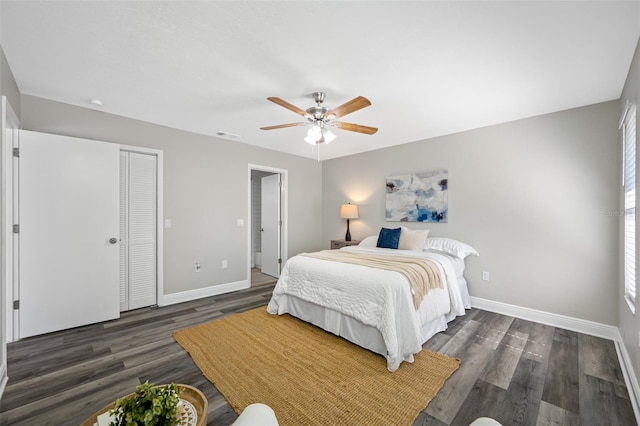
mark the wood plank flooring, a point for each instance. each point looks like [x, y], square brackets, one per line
[259, 279]
[519, 372]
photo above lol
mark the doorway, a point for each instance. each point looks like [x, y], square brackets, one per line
[267, 224]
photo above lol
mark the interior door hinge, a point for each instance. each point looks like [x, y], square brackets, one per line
[16, 304]
[280, 261]
[16, 152]
[16, 229]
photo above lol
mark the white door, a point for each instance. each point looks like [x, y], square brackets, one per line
[69, 204]
[138, 230]
[270, 217]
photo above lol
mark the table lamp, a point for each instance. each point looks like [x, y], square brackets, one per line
[348, 211]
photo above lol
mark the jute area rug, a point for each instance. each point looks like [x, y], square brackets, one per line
[309, 376]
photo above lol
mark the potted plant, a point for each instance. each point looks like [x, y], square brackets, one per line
[149, 406]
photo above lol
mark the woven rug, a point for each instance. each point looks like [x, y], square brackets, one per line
[309, 376]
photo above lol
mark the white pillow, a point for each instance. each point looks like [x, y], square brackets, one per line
[450, 246]
[371, 241]
[413, 239]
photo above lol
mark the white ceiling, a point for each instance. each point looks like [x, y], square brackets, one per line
[429, 68]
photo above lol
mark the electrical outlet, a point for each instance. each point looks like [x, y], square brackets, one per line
[224, 264]
[485, 275]
[197, 267]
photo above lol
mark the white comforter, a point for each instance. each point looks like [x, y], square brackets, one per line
[376, 297]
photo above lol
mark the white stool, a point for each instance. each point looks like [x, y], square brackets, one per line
[484, 421]
[256, 415]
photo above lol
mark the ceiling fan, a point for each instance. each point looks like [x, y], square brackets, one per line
[321, 117]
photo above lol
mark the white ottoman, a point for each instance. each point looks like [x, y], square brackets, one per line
[484, 421]
[256, 415]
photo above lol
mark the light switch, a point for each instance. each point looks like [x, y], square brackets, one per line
[167, 223]
[240, 222]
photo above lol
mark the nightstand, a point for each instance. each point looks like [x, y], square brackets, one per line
[337, 244]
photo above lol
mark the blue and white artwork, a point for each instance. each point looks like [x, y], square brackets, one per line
[418, 197]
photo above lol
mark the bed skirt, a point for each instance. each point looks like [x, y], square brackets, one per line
[347, 327]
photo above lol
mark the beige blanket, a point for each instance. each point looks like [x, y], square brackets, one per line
[422, 274]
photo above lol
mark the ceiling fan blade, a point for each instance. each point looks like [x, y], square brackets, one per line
[290, 107]
[282, 126]
[355, 127]
[347, 108]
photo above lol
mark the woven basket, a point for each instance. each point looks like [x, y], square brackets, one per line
[189, 394]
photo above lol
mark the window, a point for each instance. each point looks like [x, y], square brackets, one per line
[628, 125]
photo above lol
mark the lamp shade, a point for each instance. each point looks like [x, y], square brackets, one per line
[328, 136]
[318, 134]
[313, 135]
[349, 211]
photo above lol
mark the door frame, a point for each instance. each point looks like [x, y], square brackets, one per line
[9, 259]
[159, 215]
[284, 216]
[9, 120]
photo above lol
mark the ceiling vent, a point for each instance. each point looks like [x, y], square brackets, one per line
[227, 135]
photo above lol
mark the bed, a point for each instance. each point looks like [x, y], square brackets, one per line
[375, 308]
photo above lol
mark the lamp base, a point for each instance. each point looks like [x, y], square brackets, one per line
[347, 237]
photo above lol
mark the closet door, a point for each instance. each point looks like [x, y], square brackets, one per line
[124, 227]
[68, 255]
[138, 230]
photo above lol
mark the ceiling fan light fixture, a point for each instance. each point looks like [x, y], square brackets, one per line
[328, 135]
[319, 134]
[313, 135]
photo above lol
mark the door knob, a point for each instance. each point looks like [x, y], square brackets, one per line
[113, 240]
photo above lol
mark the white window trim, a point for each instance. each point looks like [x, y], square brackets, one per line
[630, 294]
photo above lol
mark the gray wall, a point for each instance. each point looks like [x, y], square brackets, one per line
[8, 86]
[628, 323]
[205, 190]
[531, 196]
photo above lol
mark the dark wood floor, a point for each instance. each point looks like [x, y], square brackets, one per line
[519, 372]
[259, 279]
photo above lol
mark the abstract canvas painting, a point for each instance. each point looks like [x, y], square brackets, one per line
[418, 197]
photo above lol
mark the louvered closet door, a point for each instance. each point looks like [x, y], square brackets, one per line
[138, 230]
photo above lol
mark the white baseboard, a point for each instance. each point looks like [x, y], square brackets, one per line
[574, 324]
[561, 321]
[186, 296]
[3, 380]
[629, 375]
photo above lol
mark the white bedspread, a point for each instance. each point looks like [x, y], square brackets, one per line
[376, 297]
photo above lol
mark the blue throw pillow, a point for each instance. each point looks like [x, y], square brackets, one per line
[389, 238]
